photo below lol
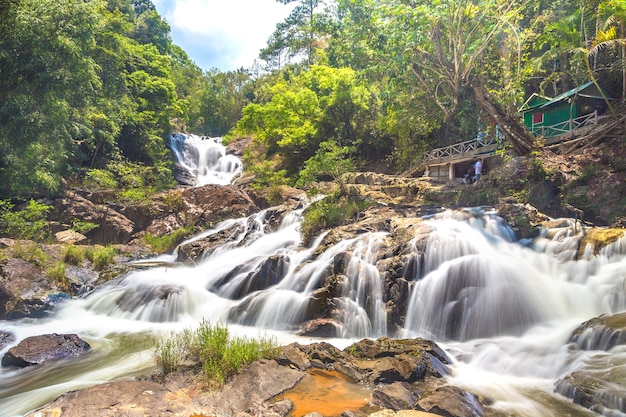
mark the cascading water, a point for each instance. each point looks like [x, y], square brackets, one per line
[503, 309]
[204, 159]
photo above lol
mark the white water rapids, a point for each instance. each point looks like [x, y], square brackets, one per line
[503, 309]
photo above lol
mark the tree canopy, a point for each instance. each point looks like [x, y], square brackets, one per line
[98, 84]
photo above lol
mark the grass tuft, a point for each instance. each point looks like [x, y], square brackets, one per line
[211, 348]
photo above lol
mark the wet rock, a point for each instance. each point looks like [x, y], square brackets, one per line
[321, 328]
[6, 339]
[35, 307]
[155, 302]
[194, 251]
[601, 333]
[451, 402]
[396, 396]
[37, 350]
[598, 385]
[524, 219]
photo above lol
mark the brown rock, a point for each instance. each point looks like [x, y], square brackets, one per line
[70, 237]
[37, 350]
[451, 402]
[122, 398]
[113, 227]
[396, 396]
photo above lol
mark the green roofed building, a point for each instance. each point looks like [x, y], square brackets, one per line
[549, 117]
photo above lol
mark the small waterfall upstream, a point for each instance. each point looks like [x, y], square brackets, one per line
[503, 309]
[204, 159]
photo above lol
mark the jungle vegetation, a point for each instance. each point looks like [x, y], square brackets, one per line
[90, 90]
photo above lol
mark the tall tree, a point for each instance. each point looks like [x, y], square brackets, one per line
[298, 34]
[446, 43]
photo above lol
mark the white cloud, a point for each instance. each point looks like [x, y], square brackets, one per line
[228, 33]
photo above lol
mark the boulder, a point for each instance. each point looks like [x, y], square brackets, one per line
[37, 350]
[253, 387]
[601, 333]
[113, 227]
[451, 401]
[203, 207]
[6, 339]
[123, 398]
[396, 396]
[70, 237]
[597, 385]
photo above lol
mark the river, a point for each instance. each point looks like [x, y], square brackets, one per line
[502, 308]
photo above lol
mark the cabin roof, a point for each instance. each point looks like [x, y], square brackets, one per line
[587, 90]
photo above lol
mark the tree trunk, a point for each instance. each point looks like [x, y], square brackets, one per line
[521, 140]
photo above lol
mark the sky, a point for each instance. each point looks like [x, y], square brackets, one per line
[222, 34]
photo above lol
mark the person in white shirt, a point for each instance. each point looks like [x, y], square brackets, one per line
[478, 170]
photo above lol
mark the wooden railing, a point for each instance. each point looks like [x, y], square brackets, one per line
[462, 150]
[566, 126]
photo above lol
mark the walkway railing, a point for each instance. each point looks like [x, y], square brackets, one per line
[462, 150]
[566, 126]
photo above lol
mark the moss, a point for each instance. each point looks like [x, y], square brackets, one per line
[600, 238]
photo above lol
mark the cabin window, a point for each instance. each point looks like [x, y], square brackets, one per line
[537, 118]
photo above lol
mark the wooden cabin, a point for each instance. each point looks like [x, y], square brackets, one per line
[548, 117]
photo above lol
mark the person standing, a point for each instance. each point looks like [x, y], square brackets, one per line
[478, 170]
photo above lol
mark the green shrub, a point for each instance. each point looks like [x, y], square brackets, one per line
[266, 176]
[211, 348]
[331, 212]
[57, 274]
[167, 242]
[100, 256]
[100, 179]
[83, 227]
[73, 255]
[29, 223]
[29, 252]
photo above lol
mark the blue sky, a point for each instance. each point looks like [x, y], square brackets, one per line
[222, 34]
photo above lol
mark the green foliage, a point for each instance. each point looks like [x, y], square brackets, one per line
[28, 223]
[211, 347]
[306, 110]
[83, 227]
[330, 212]
[166, 243]
[57, 274]
[330, 161]
[100, 256]
[29, 252]
[74, 255]
[266, 176]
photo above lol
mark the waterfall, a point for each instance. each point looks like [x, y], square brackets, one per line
[502, 308]
[204, 159]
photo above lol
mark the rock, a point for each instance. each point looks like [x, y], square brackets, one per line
[113, 227]
[258, 383]
[6, 339]
[70, 237]
[524, 219]
[388, 370]
[281, 408]
[601, 333]
[123, 398]
[194, 252]
[292, 356]
[37, 350]
[598, 385]
[396, 396]
[321, 328]
[451, 402]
